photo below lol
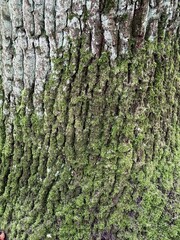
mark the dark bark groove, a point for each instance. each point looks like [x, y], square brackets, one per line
[89, 119]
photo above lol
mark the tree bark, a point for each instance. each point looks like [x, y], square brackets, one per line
[89, 119]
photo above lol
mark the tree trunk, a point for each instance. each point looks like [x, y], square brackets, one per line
[89, 119]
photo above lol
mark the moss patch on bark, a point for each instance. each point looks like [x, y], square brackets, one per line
[102, 161]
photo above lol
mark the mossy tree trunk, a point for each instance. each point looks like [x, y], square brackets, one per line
[89, 119]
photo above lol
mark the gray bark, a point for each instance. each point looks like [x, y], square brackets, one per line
[89, 119]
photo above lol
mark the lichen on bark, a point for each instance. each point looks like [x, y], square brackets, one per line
[89, 119]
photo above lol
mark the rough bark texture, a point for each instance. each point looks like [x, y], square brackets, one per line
[89, 119]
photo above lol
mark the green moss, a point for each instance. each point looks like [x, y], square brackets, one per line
[104, 157]
[108, 6]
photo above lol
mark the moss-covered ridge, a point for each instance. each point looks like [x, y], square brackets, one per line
[103, 159]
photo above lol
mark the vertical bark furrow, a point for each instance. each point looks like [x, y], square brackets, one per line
[89, 119]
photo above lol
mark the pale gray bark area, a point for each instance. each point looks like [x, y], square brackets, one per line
[32, 32]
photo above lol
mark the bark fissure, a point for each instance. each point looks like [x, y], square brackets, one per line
[89, 119]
